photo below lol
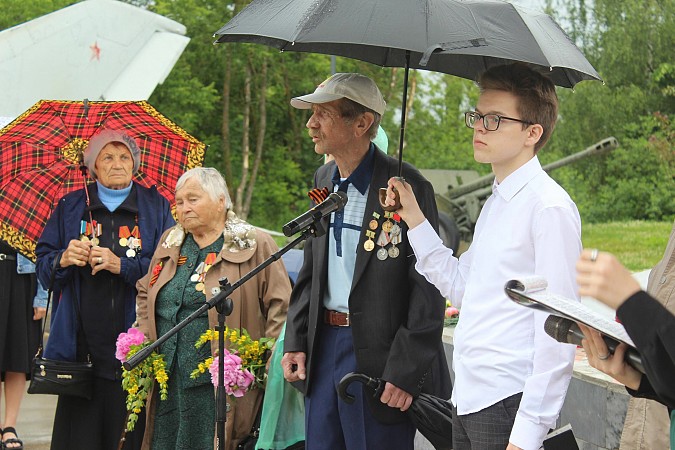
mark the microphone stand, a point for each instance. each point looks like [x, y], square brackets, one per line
[224, 307]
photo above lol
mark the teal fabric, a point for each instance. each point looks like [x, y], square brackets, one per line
[186, 419]
[282, 422]
[672, 430]
[381, 140]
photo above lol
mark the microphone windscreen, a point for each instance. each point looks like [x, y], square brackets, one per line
[558, 328]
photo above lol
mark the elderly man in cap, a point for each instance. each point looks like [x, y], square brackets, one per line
[99, 241]
[358, 304]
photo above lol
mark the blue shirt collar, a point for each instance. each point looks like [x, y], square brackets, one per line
[361, 177]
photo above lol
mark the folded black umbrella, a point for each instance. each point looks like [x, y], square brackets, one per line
[431, 415]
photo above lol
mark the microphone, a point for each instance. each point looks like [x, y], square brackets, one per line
[567, 331]
[334, 202]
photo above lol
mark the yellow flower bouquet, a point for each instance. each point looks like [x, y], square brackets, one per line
[244, 361]
[138, 381]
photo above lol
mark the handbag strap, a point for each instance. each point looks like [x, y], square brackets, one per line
[50, 293]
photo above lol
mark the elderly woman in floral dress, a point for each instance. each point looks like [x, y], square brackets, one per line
[208, 243]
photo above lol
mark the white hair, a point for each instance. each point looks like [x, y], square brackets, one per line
[210, 180]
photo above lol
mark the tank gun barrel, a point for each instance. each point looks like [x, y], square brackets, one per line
[602, 147]
[598, 148]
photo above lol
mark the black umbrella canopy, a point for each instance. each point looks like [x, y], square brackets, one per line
[512, 34]
[376, 31]
[432, 416]
[461, 38]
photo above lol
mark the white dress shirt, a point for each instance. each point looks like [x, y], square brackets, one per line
[528, 226]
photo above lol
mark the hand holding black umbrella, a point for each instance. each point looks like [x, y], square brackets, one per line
[431, 415]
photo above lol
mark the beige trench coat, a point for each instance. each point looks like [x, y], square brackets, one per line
[260, 306]
[647, 425]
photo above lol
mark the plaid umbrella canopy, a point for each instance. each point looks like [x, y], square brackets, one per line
[41, 154]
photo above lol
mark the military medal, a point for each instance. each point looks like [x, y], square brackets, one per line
[200, 272]
[388, 224]
[369, 245]
[382, 241]
[395, 238]
[373, 224]
[130, 239]
[89, 231]
[195, 276]
[124, 235]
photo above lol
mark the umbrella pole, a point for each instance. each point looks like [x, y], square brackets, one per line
[404, 105]
[83, 169]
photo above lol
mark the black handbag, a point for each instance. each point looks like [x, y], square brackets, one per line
[51, 376]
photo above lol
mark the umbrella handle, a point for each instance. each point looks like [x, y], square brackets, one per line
[343, 385]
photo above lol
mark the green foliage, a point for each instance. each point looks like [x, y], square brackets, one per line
[186, 99]
[635, 181]
[629, 42]
[15, 12]
[436, 137]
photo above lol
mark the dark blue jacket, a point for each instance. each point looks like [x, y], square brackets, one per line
[154, 216]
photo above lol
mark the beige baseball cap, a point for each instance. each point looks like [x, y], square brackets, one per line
[353, 86]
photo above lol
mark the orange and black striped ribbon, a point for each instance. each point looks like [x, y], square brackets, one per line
[318, 195]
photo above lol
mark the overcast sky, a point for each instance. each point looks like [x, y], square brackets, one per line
[532, 4]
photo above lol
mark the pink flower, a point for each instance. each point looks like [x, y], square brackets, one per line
[451, 312]
[237, 379]
[125, 340]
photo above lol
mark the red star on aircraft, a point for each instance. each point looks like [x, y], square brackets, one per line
[95, 52]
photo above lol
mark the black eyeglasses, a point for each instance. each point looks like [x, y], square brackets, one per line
[490, 121]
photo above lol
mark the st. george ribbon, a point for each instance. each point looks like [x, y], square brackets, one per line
[334, 202]
[567, 331]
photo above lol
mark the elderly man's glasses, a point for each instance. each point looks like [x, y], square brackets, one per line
[490, 121]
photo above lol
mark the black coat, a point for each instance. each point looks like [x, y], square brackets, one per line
[652, 328]
[396, 316]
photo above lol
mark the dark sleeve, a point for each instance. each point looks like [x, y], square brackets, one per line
[645, 390]
[417, 342]
[133, 269]
[297, 318]
[652, 328]
[51, 244]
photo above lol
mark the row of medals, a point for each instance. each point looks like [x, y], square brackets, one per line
[199, 276]
[390, 234]
[134, 243]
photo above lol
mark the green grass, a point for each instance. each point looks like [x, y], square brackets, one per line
[639, 245]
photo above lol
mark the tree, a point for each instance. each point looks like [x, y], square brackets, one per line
[630, 44]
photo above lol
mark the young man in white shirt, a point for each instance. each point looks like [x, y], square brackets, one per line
[510, 377]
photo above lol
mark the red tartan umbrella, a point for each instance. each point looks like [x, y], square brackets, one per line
[40, 154]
